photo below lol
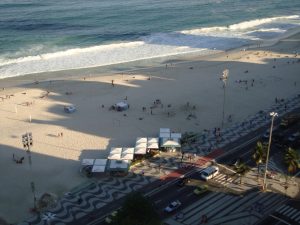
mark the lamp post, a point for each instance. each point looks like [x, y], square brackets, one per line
[273, 115]
[224, 79]
[27, 143]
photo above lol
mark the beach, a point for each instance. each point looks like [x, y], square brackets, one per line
[185, 86]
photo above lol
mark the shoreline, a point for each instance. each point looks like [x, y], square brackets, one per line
[132, 66]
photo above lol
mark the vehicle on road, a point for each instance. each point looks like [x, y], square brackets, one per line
[172, 206]
[201, 189]
[210, 172]
[183, 181]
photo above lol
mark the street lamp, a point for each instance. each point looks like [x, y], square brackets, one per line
[273, 115]
[27, 143]
[224, 79]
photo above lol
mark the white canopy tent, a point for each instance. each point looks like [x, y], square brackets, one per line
[127, 154]
[119, 165]
[115, 153]
[121, 106]
[164, 133]
[87, 162]
[141, 140]
[100, 162]
[98, 169]
[140, 151]
[153, 143]
[175, 135]
[171, 143]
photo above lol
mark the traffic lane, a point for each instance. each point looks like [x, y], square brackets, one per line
[184, 194]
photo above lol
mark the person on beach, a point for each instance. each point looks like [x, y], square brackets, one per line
[112, 83]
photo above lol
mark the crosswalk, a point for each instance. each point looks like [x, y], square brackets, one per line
[221, 208]
[223, 179]
[289, 212]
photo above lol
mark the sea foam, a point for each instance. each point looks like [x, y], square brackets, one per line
[151, 46]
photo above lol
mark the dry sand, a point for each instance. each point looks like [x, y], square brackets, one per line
[92, 130]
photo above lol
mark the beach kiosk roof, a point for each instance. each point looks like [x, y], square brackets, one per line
[117, 165]
[115, 153]
[141, 145]
[176, 135]
[140, 150]
[141, 140]
[153, 143]
[164, 130]
[127, 154]
[87, 162]
[99, 165]
[100, 162]
[98, 169]
[170, 143]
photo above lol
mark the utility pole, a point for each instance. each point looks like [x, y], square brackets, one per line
[27, 143]
[273, 115]
[224, 79]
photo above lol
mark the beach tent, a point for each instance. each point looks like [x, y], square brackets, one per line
[127, 154]
[140, 150]
[119, 165]
[140, 146]
[121, 106]
[70, 109]
[87, 162]
[141, 140]
[164, 133]
[171, 143]
[152, 143]
[115, 153]
[99, 165]
[175, 135]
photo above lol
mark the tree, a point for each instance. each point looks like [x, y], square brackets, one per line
[241, 169]
[137, 210]
[259, 155]
[292, 160]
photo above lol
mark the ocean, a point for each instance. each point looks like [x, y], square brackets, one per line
[44, 36]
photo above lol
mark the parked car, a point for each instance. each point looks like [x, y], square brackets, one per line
[173, 206]
[210, 172]
[200, 189]
[183, 181]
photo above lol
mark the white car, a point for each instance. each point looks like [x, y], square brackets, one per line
[172, 206]
[210, 172]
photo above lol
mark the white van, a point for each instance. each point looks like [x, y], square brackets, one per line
[210, 172]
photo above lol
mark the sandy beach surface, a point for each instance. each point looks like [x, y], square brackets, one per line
[256, 78]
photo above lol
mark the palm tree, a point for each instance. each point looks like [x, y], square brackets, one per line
[241, 169]
[259, 155]
[292, 159]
